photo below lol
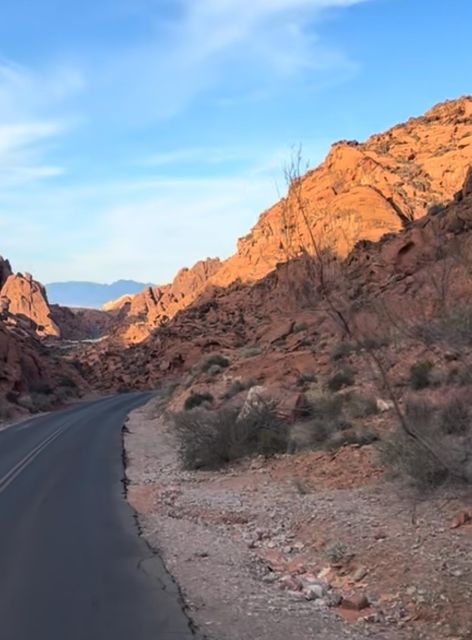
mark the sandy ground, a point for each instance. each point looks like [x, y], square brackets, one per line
[315, 545]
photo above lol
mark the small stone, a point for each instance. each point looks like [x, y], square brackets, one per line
[314, 591]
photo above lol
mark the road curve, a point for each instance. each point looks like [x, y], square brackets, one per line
[72, 565]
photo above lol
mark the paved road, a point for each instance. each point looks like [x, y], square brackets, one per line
[72, 566]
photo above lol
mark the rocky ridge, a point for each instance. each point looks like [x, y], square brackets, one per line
[361, 191]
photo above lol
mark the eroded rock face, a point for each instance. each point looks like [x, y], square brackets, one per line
[360, 192]
[278, 332]
[5, 271]
[156, 305]
[27, 298]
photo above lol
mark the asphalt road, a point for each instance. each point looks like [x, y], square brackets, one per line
[72, 564]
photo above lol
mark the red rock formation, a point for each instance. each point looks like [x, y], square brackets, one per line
[156, 305]
[27, 298]
[279, 331]
[5, 271]
[360, 192]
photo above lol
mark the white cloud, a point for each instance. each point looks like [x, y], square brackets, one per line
[234, 47]
[26, 127]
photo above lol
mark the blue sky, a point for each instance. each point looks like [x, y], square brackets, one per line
[137, 136]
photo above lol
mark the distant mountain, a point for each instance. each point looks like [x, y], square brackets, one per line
[90, 294]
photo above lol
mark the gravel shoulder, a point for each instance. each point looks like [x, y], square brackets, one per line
[247, 545]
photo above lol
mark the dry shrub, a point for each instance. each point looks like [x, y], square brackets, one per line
[341, 379]
[237, 386]
[443, 452]
[6, 410]
[420, 375]
[211, 439]
[452, 327]
[359, 405]
[342, 350]
[214, 360]
[196, 400]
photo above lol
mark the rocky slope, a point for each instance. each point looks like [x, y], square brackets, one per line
[32, 378]
[279, 331]
[361, 191]
[24, 296]
[156, 305]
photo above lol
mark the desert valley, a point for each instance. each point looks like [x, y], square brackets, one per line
[304, 465]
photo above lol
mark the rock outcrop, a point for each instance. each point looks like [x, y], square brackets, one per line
[155, 306]
[360, 192]
[279, 331]
[27, 298]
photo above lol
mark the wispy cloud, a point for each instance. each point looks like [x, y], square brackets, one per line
[240, 49]
[26, 127]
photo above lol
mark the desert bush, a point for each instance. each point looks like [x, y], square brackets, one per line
[461, 376]
[197, 399]
[362, 438]
[324, 406]
[455, 417]
[341, 379]
[309, 434]
[42, 401]
[452, 327]
[442, 452]
[420, 373]
[305, 378]
[5, 409]
[251, 352]
[211, 361]
[436, 208]
[11, 396]
[211, 439]
[40, 387]
[342, 350]
[359, 405]
[214, 370]
[338, 553]
[237, 386]
[65, 381]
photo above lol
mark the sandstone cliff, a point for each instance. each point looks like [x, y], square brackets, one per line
[360, 192]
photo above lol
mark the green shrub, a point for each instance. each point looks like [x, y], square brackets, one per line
[211, 361]
[197, 399]
[420, 373]
[211, 439]
[341, 379]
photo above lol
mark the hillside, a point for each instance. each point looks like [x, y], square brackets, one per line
[361, 191]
